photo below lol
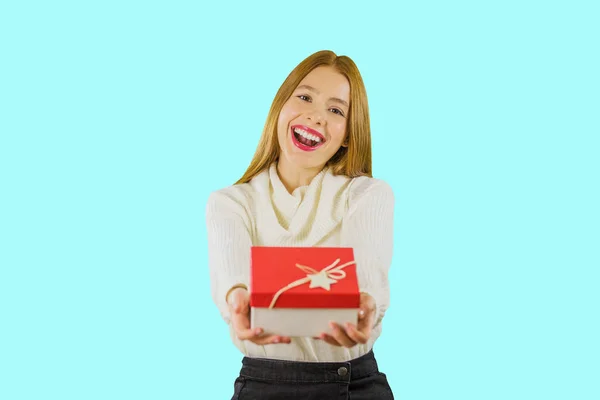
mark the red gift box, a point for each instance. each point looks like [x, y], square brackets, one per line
[295, 291]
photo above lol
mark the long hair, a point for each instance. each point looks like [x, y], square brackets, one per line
[351, 160]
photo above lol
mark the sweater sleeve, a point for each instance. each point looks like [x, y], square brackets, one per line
[229, 242]
[368, 229]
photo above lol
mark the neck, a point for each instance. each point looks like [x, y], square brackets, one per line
[294, 177]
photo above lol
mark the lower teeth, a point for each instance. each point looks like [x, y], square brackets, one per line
[305, 141]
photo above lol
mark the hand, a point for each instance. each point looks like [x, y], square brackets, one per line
[239, 308]
[351, 335]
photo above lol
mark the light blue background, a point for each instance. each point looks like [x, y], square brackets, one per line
[118, 118]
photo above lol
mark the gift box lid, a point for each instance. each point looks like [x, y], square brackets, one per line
[303, 277]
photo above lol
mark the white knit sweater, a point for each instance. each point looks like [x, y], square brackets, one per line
[330, 211]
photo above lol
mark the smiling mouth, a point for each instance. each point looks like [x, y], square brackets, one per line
[307, 139]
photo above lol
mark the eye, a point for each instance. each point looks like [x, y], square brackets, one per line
[304, 97]
[337, 111]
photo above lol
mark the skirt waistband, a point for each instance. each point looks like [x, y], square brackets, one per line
[309, 372]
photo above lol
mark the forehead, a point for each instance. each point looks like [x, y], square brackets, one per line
[329, 82]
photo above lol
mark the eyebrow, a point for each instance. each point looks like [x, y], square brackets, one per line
[312, 89]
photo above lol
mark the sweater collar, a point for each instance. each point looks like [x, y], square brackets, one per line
[298, 194]
[311, 210]
[287, 203]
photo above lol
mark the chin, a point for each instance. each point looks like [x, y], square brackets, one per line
[302, 160]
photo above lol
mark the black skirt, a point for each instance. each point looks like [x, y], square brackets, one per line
[265, 379]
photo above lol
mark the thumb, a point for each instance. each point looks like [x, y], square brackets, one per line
[361, 313]
[239, 300]
[367, 304]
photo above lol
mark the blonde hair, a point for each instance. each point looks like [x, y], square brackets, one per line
[352, 160]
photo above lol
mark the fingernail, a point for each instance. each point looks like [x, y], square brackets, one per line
[332, 325]
[258, 331]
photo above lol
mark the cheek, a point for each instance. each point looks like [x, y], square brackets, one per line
[285, 116]
[338, 131]
[288, 111]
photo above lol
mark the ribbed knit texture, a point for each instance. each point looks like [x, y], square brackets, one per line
[330, 211]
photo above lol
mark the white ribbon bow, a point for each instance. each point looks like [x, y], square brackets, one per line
[323, 278]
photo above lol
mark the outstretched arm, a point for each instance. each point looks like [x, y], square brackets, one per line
[229, 242]
[368, 229]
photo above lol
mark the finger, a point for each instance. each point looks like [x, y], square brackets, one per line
[258, 337]
[329, 339]
[241, 324]
[240, 320]
[356, 335]
[339, 334]
[271, 339]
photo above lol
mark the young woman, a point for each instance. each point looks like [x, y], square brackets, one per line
[308, 184]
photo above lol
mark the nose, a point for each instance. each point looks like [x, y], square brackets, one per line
[316, 117]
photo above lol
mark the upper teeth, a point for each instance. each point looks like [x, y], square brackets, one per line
[307, 135]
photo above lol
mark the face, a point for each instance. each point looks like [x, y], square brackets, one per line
[312, 123]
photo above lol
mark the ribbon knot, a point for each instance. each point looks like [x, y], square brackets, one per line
[323, 278]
